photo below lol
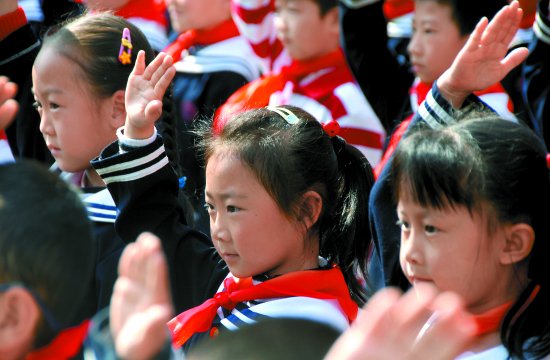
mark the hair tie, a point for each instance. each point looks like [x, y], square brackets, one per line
[285, 114]
[548, 161]
[125, 53]
[332, 128]
[181, 182]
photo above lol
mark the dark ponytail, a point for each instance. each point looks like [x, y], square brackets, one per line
[166, 127]
[346, 235]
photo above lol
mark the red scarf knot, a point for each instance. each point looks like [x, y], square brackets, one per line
[318, 284]
[223, 31]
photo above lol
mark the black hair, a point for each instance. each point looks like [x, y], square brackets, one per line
[291, 159]
[326, 5]
[503, 165]
[45, 242]
[467, 13]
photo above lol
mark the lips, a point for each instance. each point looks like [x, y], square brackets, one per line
[53, 149]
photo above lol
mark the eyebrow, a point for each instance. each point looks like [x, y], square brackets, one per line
[48, 91]
[227, 195]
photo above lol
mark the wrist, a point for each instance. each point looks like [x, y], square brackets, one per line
[132, 131]
[454, 95]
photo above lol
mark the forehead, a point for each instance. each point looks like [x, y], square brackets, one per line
[433, 11]
[52, 70]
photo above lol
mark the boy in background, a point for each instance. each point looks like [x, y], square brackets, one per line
[297, 42]
[212, 61]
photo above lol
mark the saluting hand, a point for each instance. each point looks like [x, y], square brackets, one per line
[484, 60]
[144, 93]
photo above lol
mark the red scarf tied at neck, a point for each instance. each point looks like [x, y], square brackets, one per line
[66, 345]
[225, 30]
[256, 94]
[318, 284]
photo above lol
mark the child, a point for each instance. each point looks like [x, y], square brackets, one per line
[46, 264]
[440, 29]
[147, 15]
[479, 227]
[298, 45]
[80, 113]
[535, 82]
[212, 62]
[287, 207]
[383, 267]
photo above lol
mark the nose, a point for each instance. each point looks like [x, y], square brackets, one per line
[414, 48]
[218, 231]
[280, 24]
[45, 127]
[412, 248]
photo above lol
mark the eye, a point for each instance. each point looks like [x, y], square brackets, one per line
[209, 207]
[430, 230]
[232, 209]
[54, 106]
[403, 225]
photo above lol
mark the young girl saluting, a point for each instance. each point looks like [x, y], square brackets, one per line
[287, 206]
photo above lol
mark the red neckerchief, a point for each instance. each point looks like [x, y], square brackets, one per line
[3, 135]
[396, 8]
[154, 10]
[225, 30]
[318, 284]
[66, 345]
[256, 94]
[419, 90]
[490, 321]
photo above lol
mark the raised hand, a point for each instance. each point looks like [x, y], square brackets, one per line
[483, 61]
[144, 92]
[141, 304]
[8, 106]
[395, 326]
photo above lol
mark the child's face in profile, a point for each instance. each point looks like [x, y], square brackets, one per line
[75, 123]
[453, 250]
[197, 14]
[436, 40]
[248, 229]
[304, 33]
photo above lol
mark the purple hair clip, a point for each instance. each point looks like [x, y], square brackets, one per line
[125, 53]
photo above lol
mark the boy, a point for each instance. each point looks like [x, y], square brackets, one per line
[299, 49]
[214, 61]
[46, 264]
[441, 29]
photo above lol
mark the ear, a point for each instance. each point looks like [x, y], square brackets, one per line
[520, 239]
[19, 316]
[118, 110]
[312, 205]
[332, 18]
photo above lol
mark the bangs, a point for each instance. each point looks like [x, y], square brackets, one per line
[437, 171]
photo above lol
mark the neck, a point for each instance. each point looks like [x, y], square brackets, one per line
[485, 342]
[92, 179]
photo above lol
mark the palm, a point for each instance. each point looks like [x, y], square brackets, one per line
[141, 306]
[146, 87]
[485, 60]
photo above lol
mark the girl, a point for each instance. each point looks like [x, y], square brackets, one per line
[78, 88]
[479, 227]
[287, 208]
